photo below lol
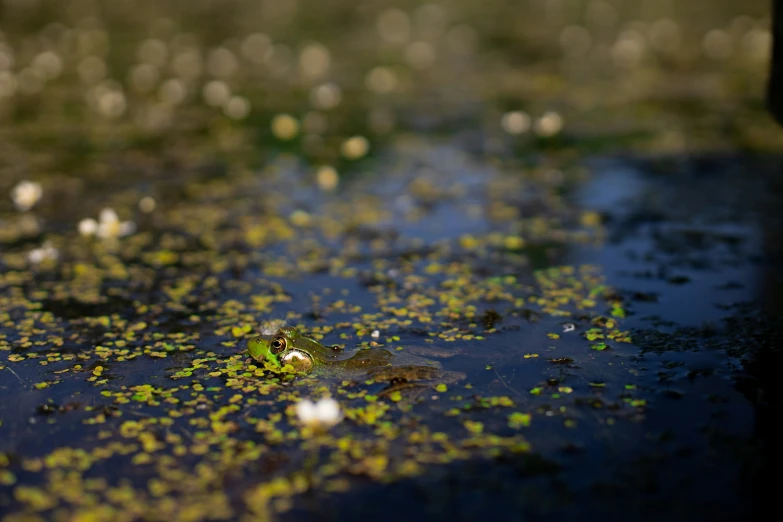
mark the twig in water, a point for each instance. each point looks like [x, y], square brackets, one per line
[504, 382]
[15, 375]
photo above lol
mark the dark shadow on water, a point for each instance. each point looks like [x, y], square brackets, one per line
[697, 242]
[532, 488]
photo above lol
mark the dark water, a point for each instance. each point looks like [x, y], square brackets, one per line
[689, 264]
[577, 202]
[687, 249]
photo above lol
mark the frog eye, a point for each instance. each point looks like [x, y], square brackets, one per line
[278, 345]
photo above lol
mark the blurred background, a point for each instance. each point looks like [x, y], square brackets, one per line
[205, 77]
[134, 93]
[196, 167]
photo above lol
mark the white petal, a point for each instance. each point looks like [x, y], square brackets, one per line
[88, 227]
[26, 194]
[105, 230]
[35, 256]
[108, 215]
[306, 411]
[328, 411]
[127, 228]
[51, 253]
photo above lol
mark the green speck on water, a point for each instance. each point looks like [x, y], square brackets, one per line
[618, 311]
[519, 420]
[593, 334]
[474, 427]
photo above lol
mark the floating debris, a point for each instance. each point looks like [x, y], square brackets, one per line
[549, 124]
[515, 122]
[355, 147]
[285, 127]
[26, 194]
[46, 252]
[108, 226]
[147, 204]
[327, 178]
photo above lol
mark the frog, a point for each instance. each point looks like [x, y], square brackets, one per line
[406, 370]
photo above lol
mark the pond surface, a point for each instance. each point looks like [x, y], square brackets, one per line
[590, 236]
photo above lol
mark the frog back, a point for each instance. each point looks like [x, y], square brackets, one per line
[319, 352]
[361, 360]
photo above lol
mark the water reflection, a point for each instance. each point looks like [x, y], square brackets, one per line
[683, 264]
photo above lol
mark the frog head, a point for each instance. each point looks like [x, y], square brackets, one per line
[267, 347]
[283, 345]
[278, 347]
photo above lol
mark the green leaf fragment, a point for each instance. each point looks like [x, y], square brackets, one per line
[519, 420]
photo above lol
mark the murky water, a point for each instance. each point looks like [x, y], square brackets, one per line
[591, 236]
